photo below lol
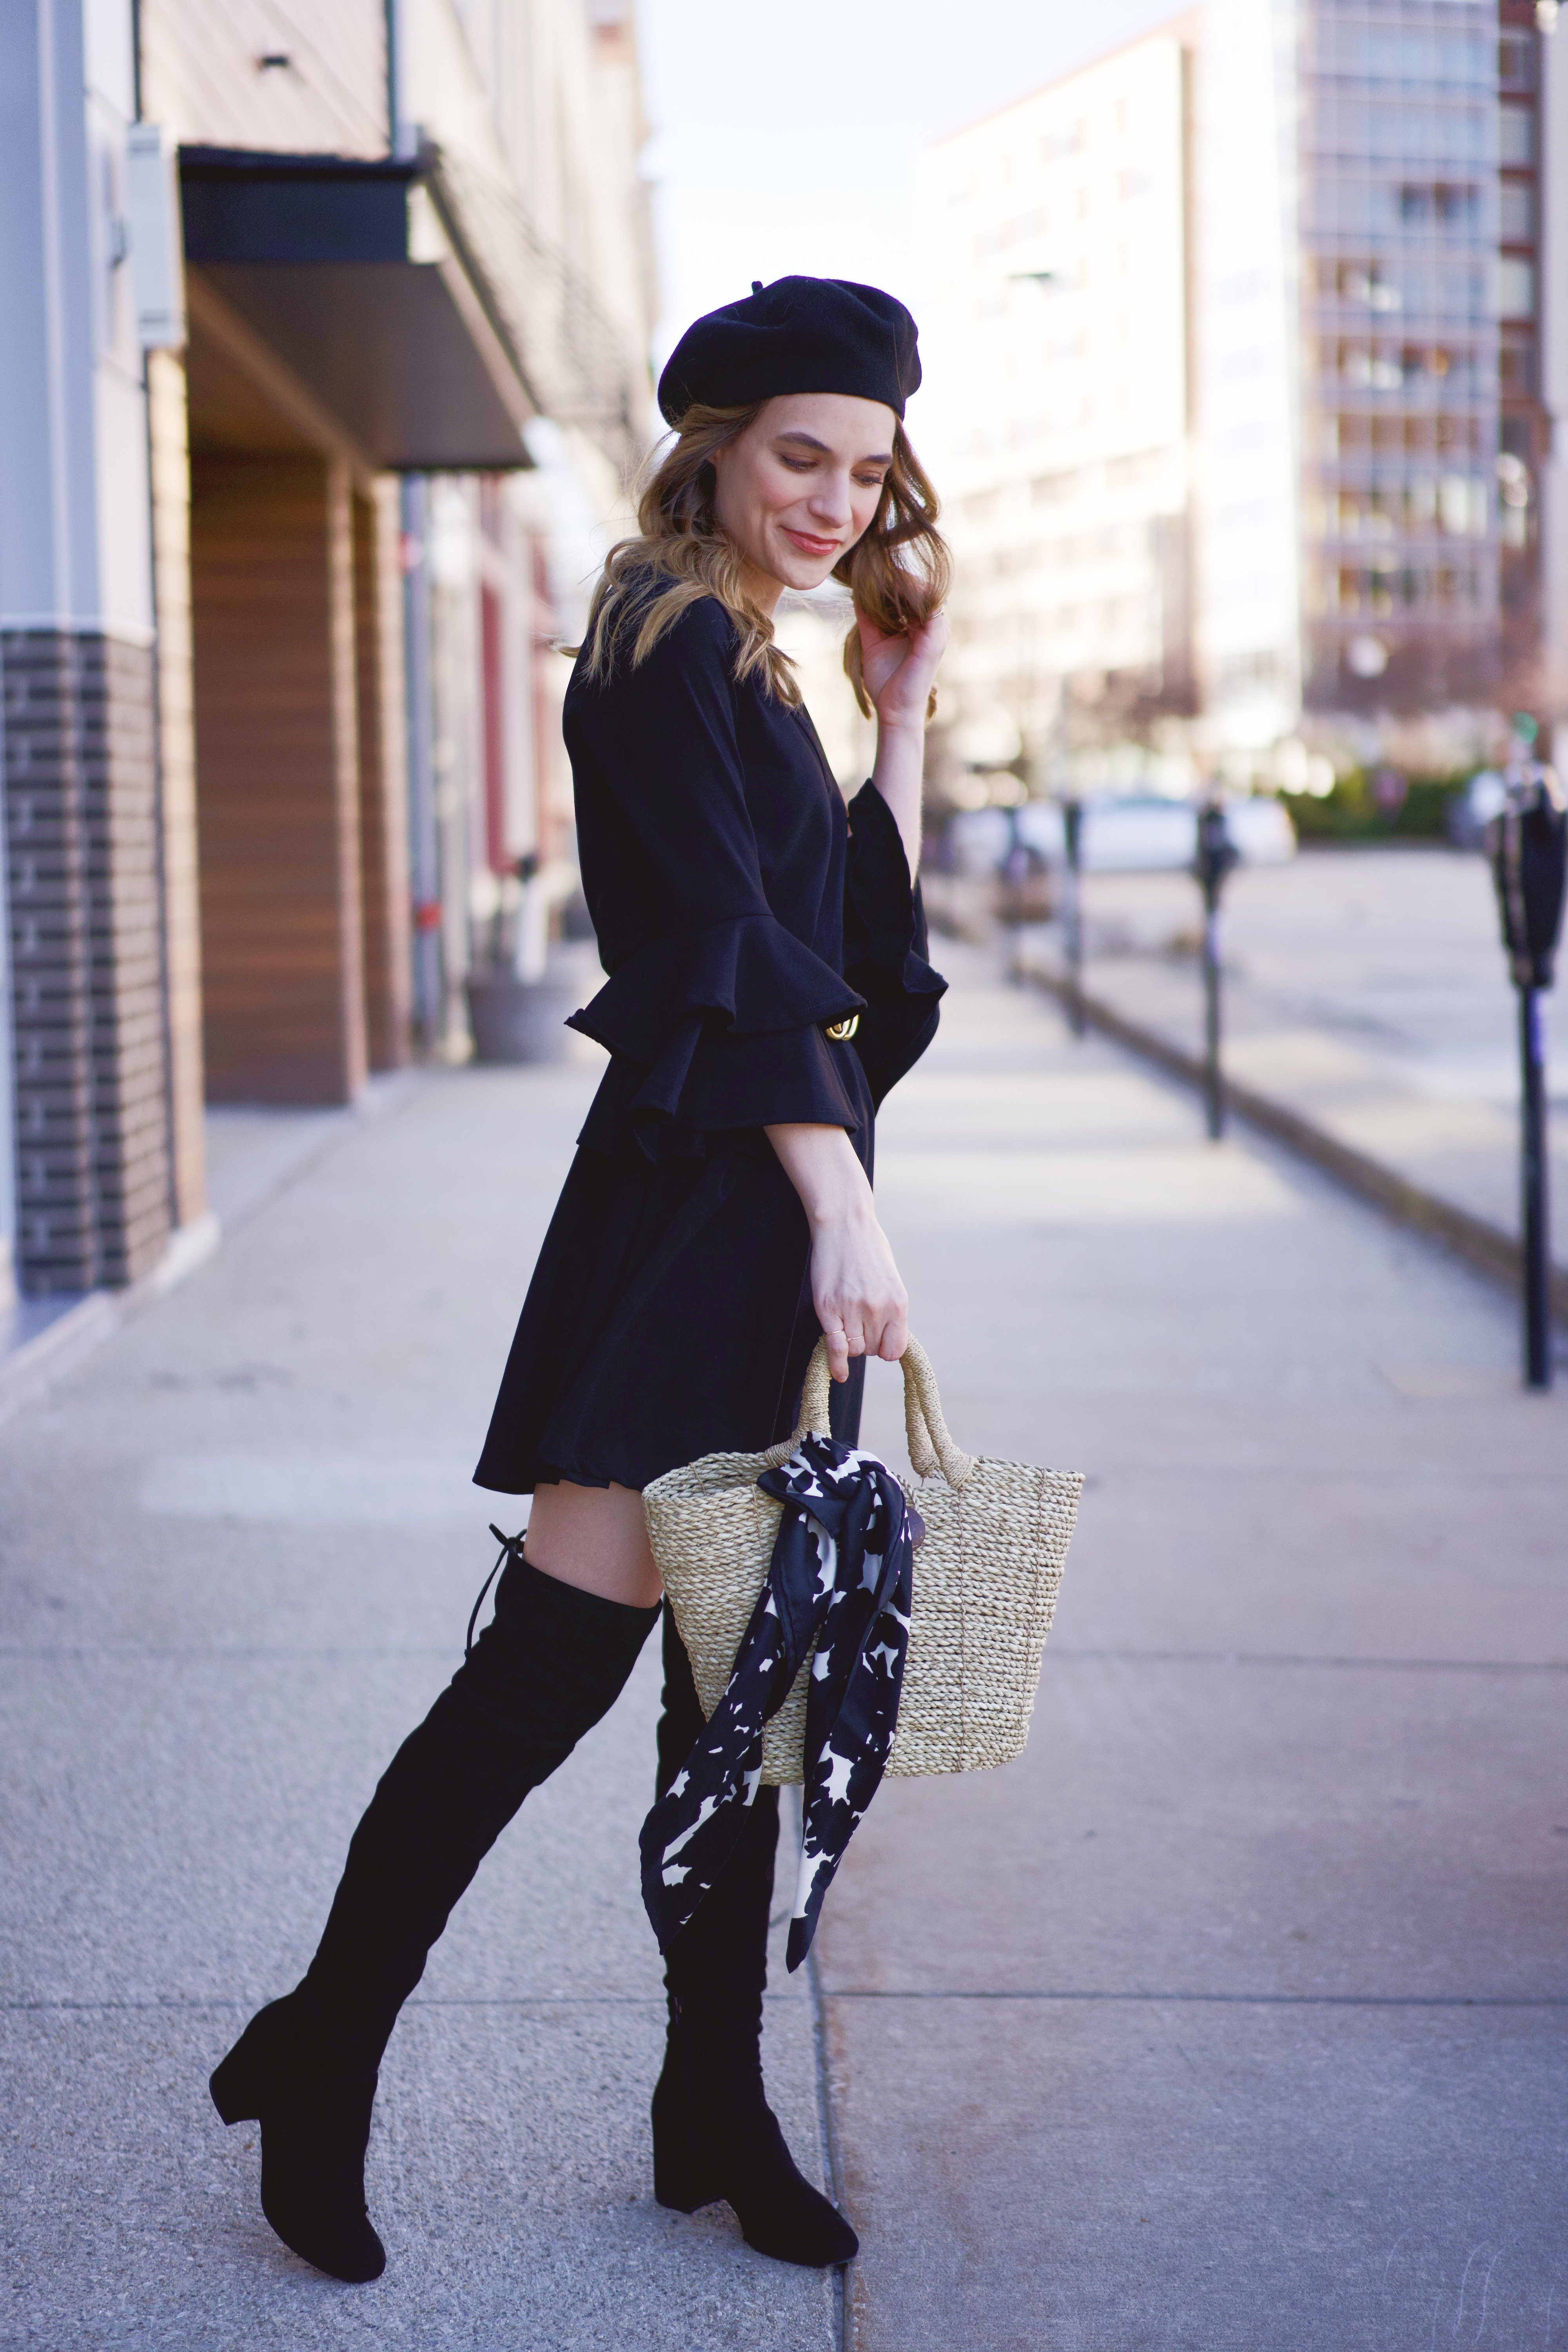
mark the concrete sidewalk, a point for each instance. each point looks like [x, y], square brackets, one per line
[1235, 2015]
[239, 1552]
[1232, 2016]
[1366, 1000]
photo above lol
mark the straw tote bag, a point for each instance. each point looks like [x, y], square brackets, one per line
[986, 1581]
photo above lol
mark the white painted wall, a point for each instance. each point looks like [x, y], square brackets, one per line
[75, 544]
[1054, 338]
[73, 517]
[1246, 302]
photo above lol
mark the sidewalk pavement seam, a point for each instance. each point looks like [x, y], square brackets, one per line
[192, 1649]
[174, 2002]
[1159, 1472]
[1077, 1657]
[1232, 1999]
[854, 1992]
[842, 2306]
[1285, 1658]
[28, 1371]
[1481, 1243]
[384, 1095]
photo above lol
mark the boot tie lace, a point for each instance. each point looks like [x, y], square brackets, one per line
[510, 1549]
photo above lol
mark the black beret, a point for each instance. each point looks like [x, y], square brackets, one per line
[799, 335]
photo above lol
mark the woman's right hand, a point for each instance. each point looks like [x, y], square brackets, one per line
[861, 1305]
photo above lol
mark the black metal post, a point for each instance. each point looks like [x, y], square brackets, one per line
[1527, 842]
[1214, 1081]
[1215, 857]
[1533, 1203]
[1072, 838]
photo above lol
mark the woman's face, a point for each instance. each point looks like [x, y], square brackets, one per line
[800, 485]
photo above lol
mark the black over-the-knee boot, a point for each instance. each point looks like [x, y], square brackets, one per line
[541, 1675]
[714, 2134]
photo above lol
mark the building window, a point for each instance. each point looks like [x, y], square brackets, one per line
[1515, 520]
[1516, 213]
[1516, 136]
[1453, 202]
[1364, 282]
[1453, 433]
[1516, 61]
[1462, 507]
[1374, 367]
[1515, 288]
[1516, 364]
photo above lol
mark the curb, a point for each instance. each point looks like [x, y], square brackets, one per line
[1488, 1247]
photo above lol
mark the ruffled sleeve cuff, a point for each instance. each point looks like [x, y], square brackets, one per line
[885, 946]
[718, 1029]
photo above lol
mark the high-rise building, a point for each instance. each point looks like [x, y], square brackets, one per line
[1260, 302]
[1398, 396]
[1525, 59]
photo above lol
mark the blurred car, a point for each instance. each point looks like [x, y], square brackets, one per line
[1139, 833]
[1470, 812]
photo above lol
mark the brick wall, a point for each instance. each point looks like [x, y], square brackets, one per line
[92, 1130]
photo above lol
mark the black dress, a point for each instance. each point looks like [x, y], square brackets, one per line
[741, 911]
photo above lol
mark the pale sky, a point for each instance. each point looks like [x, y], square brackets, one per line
[786, 136]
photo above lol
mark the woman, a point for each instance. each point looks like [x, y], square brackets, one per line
[767, 985]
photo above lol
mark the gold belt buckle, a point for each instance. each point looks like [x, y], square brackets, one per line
[842, 1031]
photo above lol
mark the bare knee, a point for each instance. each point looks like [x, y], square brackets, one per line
[594, 1537]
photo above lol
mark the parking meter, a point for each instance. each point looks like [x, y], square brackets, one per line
[1528, 845]
[1217, 854]
[1527, 842]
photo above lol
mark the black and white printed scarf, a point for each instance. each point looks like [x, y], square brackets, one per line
[841, 1576]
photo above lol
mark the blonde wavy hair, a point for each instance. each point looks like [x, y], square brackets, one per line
[897, 571]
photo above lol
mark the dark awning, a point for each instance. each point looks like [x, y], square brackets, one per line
[355, 274]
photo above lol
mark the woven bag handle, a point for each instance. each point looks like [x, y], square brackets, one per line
[813, 1412]
[931, 1444]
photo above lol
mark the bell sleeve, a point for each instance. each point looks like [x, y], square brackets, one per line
[885, 945]
[721, 1010]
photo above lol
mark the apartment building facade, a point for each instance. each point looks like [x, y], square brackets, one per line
[1057, 413]
[1347, 523]
[327, 337]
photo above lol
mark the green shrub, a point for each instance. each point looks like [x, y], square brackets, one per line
[1350, 813]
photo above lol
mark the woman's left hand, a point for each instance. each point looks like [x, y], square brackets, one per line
[899, 670]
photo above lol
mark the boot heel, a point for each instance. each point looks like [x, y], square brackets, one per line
[234, 2091]
[241, 2081]
[679, 2184]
